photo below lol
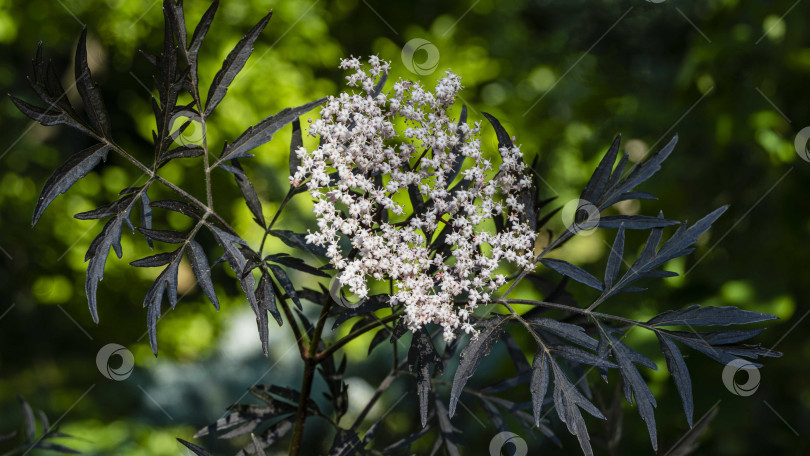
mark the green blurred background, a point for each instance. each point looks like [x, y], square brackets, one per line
[729, 77]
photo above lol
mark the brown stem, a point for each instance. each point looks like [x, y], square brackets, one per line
[587, 312]
[299, 337]
[310, 364]
[281, 206]
[152, 174]
[301, 414]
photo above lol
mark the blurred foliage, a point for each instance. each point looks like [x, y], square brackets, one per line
[564, 77]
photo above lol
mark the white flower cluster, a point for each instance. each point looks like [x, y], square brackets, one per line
[373, 148]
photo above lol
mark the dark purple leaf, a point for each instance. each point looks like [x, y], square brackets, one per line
[187, 151]
[248, 193]
[232, 65]
[696, 315]
[28, 417]
[154, 261]
[202, 271]
[194, 448]
[178, 206]
[298, 241]
[421, 356]
[634, 222]
[539, 382]
[263, 132]
[201, 31]
[48, 117]
[106, 210]
[490, 330]
[575, 272]
[635, 386]
[168, 236]
[76, 167]
[286, 284]
[615, 258]
[90, 94]
[596, 185]
[296, 142]
[680, 374]
[504, 140]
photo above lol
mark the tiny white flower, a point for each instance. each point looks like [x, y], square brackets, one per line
[359, 172]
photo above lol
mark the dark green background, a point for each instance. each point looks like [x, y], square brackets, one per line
[729, 77]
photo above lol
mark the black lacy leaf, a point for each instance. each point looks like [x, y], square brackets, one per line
[421, 356]
[696, 315]
[634, 385]
[295, 263]
[237, 262]
[28, 417]
[723, 346]
[680, 374]
[107, 210]
[200, 32]
[91, 95]
[194, 448]
[44, 441]
[178, 206]
[596, 185]
[58, 110]
[504, 140]
[48, 116]
[568, 401]
[266, 296]
[652, 257]
[615, 258]
[168, 236]
[110, 237]
[296, 142]
[634, 222]
[490, 330]
[338, 389]
[575, 272]
[286, 284]
[606, 188]
[298, 241]
[159, 259]
[232, 65]
[263, 132]
[539, 382]
[458, 159]
[249, 193]
[448, 437]
[76, 167]
[187, 151]
[167, 280]
[202, 271]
